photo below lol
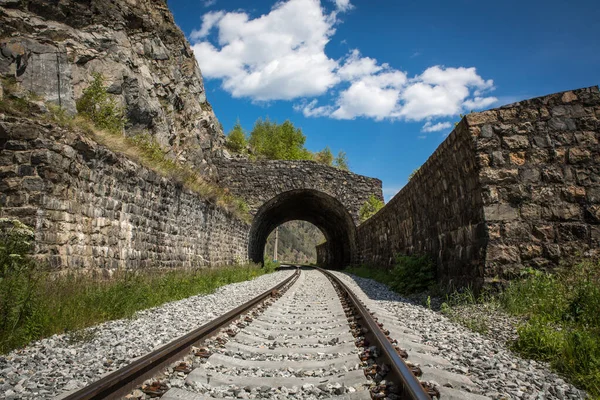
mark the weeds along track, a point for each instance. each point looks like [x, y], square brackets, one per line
[307, 338]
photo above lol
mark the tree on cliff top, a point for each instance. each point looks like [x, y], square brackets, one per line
[272, 141]
[236, 139]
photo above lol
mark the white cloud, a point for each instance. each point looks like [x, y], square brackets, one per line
[430, 127]
[343, 5]
[209, 3]
[209, 20]
[277, 56]
[281, 56]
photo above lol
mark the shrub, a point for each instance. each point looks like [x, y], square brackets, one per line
[341, 161]
[324, 156]
[370, 208]
[412, 274]
[100, 108]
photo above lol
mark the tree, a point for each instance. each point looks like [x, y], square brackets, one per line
[100, 108]
[341, 161]
[324, 156]
[278, 142]
[371, 206]
[236, 139]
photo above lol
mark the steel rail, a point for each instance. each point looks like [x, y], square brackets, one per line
[411, 387]
[124, 380]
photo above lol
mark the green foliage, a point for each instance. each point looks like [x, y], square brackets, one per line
[278, 142]
[370, 208]
[236, 139]
[411, 274]
[18, 281]
[341, 161]
[100, 108]
[563, 322]
[270, 265]
[412, 174]
[324, 156]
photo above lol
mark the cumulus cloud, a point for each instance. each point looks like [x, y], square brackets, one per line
[281, 56]
[431, 127]
[277, 56]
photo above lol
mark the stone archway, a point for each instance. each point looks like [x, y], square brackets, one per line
[318, 208]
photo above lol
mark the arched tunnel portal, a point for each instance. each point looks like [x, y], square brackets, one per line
[318, 208]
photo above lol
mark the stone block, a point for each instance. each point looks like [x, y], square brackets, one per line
[500, 212]
[578, 155]
[517, 158]
[503, 254]
[499, 176]
[479, 118]
[515, 142]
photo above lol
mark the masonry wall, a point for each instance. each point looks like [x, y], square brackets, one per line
[439, 212]
[259, 181]
[94, 209]
[539, 170]
[510, 187]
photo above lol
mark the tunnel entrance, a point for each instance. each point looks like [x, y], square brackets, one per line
[318, 208]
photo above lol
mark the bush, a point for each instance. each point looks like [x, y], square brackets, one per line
[100, 108]
[271, 265]
[370, 208]
[411, 274]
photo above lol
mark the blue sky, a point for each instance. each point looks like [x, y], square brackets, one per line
[385, 80]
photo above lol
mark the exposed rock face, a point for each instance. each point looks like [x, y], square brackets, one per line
[53, 47]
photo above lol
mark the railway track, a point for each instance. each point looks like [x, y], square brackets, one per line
[308, 338]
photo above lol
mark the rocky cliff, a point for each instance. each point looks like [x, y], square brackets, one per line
[52, 48]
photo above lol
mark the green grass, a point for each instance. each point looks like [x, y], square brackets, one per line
[35, 303]
[563, 325]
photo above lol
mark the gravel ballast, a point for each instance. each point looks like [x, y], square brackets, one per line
[497, 372]
[67, 362]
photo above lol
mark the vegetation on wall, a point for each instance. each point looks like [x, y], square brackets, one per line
[103, 120]
[370, 208]
[272, 141]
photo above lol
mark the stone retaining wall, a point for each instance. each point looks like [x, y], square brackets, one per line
[94, 209]
[511, 187]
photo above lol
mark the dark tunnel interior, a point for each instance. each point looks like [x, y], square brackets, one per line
[318, 208]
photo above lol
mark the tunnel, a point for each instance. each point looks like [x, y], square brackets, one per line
[318, 208]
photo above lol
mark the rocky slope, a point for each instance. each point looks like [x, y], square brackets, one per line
[297, 242]
[53, 48]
